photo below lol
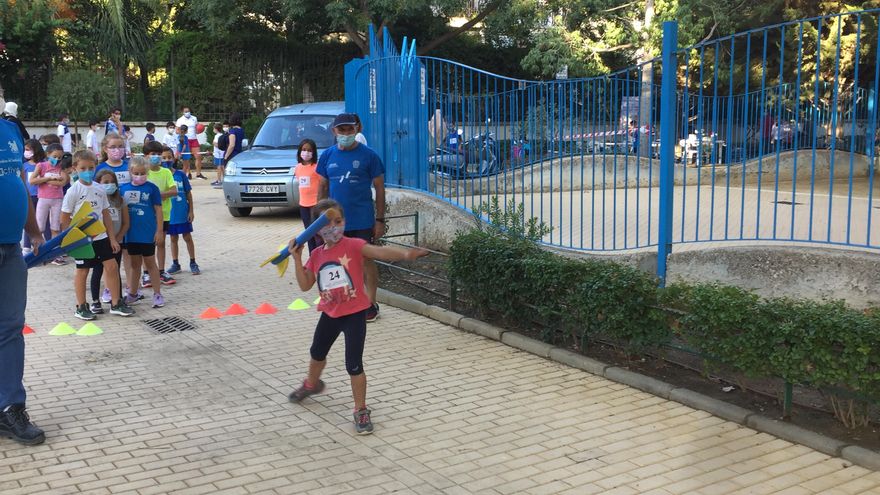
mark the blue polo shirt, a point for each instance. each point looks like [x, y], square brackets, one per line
[141, 202]
[179, 204]
[13, 195]
[350, 175]
[122, 175]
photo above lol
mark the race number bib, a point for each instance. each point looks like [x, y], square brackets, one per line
[332, 276]
[305, 182]
[132, 197]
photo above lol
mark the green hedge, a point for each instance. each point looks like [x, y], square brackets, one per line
[499, 268]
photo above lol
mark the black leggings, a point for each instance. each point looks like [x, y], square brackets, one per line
[98, 272]
[305, 213]
[354, 326]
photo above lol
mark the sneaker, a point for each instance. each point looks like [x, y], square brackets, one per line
[215, 183]
[174, 268]
[84, 313]
[362, 423]
[302, 392]
[26, 251]
[145, 280]
[59, 261]
[96, 308]
[200, 176]
[121, 309]
[218, 185]
[105, 296]
[132, 299]
[167, 279]
[158, 301]
[15, 424]
[194, 268]
[373, 313]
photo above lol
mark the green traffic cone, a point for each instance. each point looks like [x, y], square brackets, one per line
[62, 329]
[89, 329]
[298, 304]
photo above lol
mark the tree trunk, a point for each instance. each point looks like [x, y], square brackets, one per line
[144, 81]
[120, 86]
[646, 119]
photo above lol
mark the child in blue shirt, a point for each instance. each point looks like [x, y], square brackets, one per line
[182, 215]
[144, 202]
[184, 153]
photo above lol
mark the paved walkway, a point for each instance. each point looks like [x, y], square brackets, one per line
[205, 411]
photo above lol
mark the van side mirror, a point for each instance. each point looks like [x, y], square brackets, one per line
[245, 143]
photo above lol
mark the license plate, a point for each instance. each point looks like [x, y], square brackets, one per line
[265, 189]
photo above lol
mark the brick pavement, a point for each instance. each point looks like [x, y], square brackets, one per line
[205, 411]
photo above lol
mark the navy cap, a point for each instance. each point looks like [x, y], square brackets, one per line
[345, 119]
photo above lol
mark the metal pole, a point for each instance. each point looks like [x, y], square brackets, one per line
[667, 145]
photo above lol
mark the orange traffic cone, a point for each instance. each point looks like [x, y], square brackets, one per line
[235, 309]
[211, 313]
[266, 309]
[26, 330]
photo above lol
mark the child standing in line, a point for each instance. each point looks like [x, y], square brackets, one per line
[85, 190]
[113, 157]
[92, 138]
[151, 130]
[170, 137]
[221, 142]
[33, 153]
[309, 183]
[168, 160]
[182, 215]
[338, 268]
[164, 180]
[184, 153]
[144, 202]
[119, 215]
[50, 180]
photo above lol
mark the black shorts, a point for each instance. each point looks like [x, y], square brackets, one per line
[354, 326]
[140, 249]
[365, 234]
[103, 252]
[165, 225]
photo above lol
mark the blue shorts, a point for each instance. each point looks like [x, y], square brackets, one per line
[218, 162]
[179, 228]
[186, 156]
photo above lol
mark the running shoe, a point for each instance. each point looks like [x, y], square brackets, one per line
[200, 176]
[84, 313]
[26, 251]
[174, 268]
[96, 308]
[59, 261]
[167, 279]
[158, 301]
[194, 268]
[362, 423]
[132, 299]
[215, 183]
[302, 392]
[121, 309]
[145, 280]
[372, 313]
[105, 296]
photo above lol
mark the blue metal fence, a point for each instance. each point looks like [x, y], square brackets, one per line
[767, 135]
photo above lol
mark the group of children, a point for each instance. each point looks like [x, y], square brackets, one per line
[139, 200]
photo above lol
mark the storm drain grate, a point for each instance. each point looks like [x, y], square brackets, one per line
[786, 203]
[169, 325]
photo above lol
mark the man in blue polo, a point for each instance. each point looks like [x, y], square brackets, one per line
[349, 172]
[18, 214]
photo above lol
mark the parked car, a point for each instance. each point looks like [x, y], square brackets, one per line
[262, 175]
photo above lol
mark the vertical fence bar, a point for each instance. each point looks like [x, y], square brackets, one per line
[667, 145]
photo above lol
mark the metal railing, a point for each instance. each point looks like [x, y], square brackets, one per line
[761, 136]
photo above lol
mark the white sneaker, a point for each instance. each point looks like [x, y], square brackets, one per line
[105, 296]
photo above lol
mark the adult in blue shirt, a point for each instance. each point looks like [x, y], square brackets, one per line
[349, 172]
[236, 138]
[18, 214]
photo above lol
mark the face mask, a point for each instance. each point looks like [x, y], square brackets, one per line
[74, 177]
[109, 188]
[168, 164]
[225, 129]
[306, 155]
[332, 234]
[28, 154]
[170, 130]
[116, 153]
[155, 160]
[138, 180]
[345, 141]
[53, 160]
[87, 176]
[187, 114]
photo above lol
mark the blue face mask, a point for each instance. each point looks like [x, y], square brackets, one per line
[155, 159]
[87, 176]
[345, 141]
[109, 188]
[74, 177]
[168, 164]
[53, 160]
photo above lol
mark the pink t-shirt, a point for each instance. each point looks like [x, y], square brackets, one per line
[46, 190]
[340, 275]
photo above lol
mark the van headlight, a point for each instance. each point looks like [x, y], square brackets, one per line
[231, 167]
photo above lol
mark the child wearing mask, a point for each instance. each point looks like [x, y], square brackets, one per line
[50, 180]
[184, 152]
[221, 142]
[144, 202]
[33, 153]
[182, 216]
[119, 216]
[309, 183]
[170, 137]
[113, 157]
[164, 180]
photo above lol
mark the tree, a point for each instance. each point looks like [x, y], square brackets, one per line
[78, 92]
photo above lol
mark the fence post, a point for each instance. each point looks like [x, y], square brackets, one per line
[667, 145]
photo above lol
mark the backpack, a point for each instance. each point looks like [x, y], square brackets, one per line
[223, 141]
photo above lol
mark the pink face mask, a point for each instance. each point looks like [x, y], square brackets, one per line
[116, 153]
[138, 180]
[28, 154]
[306, 155]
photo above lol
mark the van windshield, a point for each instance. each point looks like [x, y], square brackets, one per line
[287, 131]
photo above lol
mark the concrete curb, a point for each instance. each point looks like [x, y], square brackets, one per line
[786, 431]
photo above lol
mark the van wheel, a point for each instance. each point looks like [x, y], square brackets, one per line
[240, 212]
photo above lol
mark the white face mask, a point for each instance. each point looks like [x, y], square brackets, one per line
[306, 155]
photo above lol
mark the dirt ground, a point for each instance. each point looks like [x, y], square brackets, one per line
[811, 407]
